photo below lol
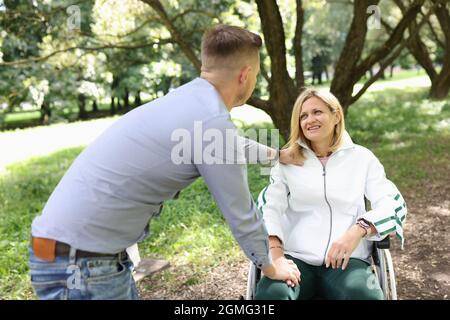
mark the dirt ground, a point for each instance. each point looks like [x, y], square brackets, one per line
[422, 268]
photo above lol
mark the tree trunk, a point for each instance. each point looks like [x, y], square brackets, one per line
[439, 91]
[440, 82]
[344, 75]
[382, 73]
[82, 114]
[440, 87]
[350, 68]
[282, 89]
[281, 116]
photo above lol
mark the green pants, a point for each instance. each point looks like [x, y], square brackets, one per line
[356, 282]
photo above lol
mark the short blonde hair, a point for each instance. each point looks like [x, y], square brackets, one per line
[225, 46]
[296, 132]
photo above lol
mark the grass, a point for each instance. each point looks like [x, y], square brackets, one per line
[399, 75]
[409, 134]
[23, 193]
[407, 131]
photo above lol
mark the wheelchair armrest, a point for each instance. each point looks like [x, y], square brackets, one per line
[383, 244]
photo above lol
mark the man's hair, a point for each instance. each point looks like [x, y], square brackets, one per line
[225, 46]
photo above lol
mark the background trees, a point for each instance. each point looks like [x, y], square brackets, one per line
[122, 50]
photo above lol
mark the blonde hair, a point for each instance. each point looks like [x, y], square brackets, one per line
[225, 46]
[296, 132]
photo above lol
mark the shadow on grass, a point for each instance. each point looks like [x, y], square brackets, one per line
[409, 134]
[395, 115]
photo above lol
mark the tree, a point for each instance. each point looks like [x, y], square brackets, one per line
[174, 28]
[284, 88]
[422, 45]
[352, 66]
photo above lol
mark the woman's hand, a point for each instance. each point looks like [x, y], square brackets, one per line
[342, 248]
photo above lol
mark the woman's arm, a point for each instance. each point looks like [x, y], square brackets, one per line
[387, 215]
[279, 260]
[389, 209]
[341, 249]
[273, 202]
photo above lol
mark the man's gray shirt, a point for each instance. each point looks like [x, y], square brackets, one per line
[106, 199]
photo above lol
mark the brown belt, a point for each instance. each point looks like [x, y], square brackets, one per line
[48, 249]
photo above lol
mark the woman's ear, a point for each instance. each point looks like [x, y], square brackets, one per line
[338, 117]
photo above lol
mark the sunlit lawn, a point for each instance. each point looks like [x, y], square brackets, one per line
[407, 132]
[11, 119]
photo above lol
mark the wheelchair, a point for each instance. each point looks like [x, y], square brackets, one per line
[382, 268]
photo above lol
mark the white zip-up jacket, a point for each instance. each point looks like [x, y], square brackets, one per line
[309, 207]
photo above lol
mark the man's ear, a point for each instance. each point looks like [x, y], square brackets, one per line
[243, 73]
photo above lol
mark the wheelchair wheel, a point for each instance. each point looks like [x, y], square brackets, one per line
[386, 274]
[252, 280]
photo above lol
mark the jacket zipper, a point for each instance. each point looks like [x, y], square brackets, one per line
[329, 206]
[324, 174]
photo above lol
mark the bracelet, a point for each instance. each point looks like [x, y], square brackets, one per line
[358, 224]
[363, 224]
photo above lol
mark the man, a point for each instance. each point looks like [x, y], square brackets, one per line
[118, 183]
[317, 67]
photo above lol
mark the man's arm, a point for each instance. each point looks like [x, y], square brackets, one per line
[227, 181]
[256, 152]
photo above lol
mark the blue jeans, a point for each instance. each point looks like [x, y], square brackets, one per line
[98, 278]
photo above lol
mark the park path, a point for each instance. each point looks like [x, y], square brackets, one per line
[20, 145]
[23, 144]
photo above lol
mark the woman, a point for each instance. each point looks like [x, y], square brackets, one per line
[315, 214]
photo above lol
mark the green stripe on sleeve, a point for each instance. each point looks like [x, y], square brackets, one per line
[384, 221]
[387, 231]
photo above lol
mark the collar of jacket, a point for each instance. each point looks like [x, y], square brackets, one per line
[347, 143]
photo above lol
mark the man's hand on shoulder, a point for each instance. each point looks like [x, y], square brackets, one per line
[287, 156]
